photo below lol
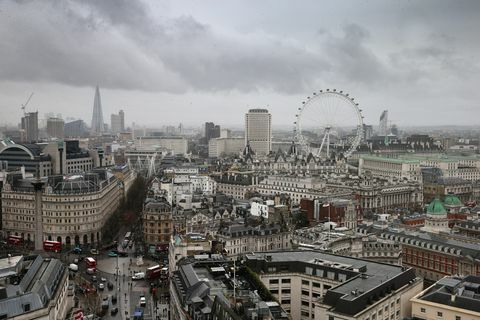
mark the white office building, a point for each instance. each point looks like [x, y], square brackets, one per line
[258, 131]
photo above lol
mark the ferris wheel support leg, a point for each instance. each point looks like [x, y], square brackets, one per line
[321, 145]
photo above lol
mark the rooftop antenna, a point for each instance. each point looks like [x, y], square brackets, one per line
[25, 104]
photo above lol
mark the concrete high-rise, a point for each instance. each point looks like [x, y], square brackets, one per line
[30, 126]
[383, 124]
[211, 131]
[117, 122]
[75, 129]
[56, 128]
[97, 117]
[258, 131]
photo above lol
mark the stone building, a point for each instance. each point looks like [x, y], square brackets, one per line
[74, 208]
[157, 222]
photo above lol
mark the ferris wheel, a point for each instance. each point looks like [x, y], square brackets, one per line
[329, 119]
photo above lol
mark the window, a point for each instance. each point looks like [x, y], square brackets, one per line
[305, 314]
[316, 284]
[285, 280]
[458, 318]
[274, 291]
[439, 314]
[305, 303]
[305, 292]
[422, 310]
[273, 281]
[286, 301]
[305, 282]
[285, 291]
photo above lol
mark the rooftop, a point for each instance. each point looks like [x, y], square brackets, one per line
[360, 280]
[457, 292]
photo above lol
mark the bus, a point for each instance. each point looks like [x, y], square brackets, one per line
[15, 240]
[54, 246]
[154, 272]
[91, 263]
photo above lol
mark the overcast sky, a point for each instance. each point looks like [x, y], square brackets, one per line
[166, 62]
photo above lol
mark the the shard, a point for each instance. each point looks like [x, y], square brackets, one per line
[97, 118]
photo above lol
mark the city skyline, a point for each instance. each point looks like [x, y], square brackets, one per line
[219, 65]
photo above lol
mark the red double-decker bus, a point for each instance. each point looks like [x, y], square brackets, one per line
[91, 263]
[54, 246]
[15, 240]
[154, 272]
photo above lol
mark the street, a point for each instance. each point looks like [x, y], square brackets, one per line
[128, 291]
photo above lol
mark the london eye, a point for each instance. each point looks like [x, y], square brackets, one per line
[329, 121]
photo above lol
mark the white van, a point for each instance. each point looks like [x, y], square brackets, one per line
[73, 267]
[90, 270]
[138, 276]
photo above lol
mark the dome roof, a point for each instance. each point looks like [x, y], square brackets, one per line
[451, 200]
[436, 207]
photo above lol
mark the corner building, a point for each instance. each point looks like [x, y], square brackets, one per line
[74, 208]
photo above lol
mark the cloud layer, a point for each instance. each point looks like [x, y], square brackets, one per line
[421, 49]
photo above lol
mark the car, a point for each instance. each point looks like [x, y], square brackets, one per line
[143, 301]
[101, 286]
[73, 267]
[110, 286]
[105, 298]
[114, 311]
[90, 270]
[112, 254]
[114, 299]
[138, 276]
[77, 250]
[105, 304]
[94, 278]
[94, 251]
[103, 279]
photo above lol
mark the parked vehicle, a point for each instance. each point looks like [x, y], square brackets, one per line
[114, 311]
[143, 301]
[114, 299]
[110, 286]
[90, 271]
[101, 286]
[94, 251]
[77, 250]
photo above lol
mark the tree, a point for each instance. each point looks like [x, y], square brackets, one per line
[300, 220]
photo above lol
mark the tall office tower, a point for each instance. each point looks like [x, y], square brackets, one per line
[211, 131]
[383, 125]
[258, 131]
[367, 132]
[75, 129]
[121, 114]
[56, 128]
[30, 126]
[97, 118]
[116, 123]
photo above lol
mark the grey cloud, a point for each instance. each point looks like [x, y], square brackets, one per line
[120, 45]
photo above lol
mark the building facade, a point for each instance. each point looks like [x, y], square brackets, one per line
[74, 208]
[258, 131]
[157, 222]
[56, 128]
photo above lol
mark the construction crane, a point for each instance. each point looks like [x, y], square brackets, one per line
[25, 104]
